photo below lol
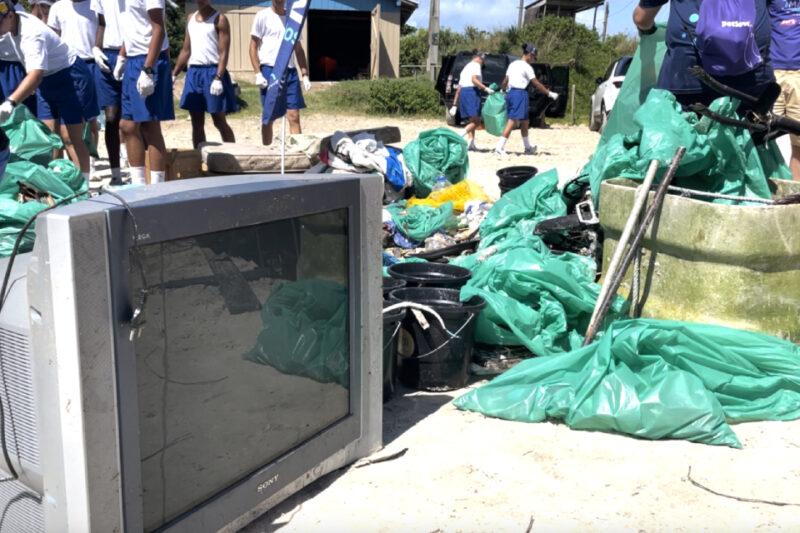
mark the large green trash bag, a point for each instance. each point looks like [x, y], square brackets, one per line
[29, 139]
[653, 379]
[494, 112]
[305, 331]
[435, 153]
[647, 123]
[534, 298]
[420, 221]
[69, 173]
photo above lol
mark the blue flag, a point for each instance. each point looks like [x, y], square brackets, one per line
[296, 11]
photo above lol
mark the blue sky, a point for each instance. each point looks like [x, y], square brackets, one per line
[490, 15]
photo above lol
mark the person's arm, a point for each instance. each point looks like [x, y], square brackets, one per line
[224, 33]
[300, 56]
[27, 86]
[539, 86]
[504, 85]
[157, 38]
[477, 82]
[101, 31]
[183, 55]
[644, 16]
[457, 96]
[255, 42]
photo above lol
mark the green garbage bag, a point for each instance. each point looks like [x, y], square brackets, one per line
[435, 153]
[420, 221]
[494, 112]
[37, 177]
[29, 139]
[653, 379]
[69, 173]
[89, 141]
[305, 331]
[9, 234]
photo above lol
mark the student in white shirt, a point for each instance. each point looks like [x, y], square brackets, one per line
[470, 84]
[53, 67]
[76, 24]
[41, 9]
[207, 87]
[266, 37]
[11, 70]
[107, 44]
[144, 69]
[519, 76]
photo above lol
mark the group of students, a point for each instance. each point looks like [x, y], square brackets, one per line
[68, 60]
[519, 76]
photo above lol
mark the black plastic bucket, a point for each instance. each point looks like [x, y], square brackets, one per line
[390, 284]
[431, 275]
[391, 328]
[513, 177]
[429, 358]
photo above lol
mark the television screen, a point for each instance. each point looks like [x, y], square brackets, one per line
[244, 354]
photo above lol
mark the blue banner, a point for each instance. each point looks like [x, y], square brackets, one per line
[296, 11]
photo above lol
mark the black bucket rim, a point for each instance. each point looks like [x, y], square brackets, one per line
[457, 307]
[460, 275]
[393, 284]
[517, 168]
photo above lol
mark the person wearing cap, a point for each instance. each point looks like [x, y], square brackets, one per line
[519, 76]
[107, 44]
[470, 85]
[266, 37]
[11, 70]
[208, 87]
[41, 9]
[76, 24]
[53, 67]
[143, 68]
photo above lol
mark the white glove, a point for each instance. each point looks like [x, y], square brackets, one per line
[261, 81]
[489, 90]
[119, 68]
[553, 96]
[6, 108]
[453, 111]
[216, 87]
[145, 85]
[306, 84]
[100, 59]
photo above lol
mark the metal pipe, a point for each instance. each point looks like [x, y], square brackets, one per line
[650, 214]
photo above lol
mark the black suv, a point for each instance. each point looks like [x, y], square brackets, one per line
[494, 71]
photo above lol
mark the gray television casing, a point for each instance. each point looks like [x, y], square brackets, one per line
[84, 365]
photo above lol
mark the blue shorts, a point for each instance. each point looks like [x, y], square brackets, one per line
[109, 90]
[196, 95]
[292, 97]
[517, 104]
[469, 102]
[11, 74]
[68, 95]
[157, 106]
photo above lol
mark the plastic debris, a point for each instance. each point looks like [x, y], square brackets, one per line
[459, 195]
[420, 222]
[436, 152]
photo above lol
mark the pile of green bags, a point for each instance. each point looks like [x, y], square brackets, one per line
[437, 152]
[653, 379]
[420, 221]
[29, 139]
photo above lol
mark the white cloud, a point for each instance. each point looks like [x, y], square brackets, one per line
[457, 14]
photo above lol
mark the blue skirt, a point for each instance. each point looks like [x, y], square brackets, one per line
[156, 107]
[196, 95]
[469, 102]
[11, 75]
[69, 94]
[109, 90]
[291, 98]
[517, 104]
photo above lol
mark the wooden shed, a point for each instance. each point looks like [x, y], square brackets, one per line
[344, 39]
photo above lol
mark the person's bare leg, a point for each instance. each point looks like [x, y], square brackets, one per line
[501, 143]
[523, 127]
[198, 127]
[94, 128]
[293, 118]
[75, 132]
[134, 145]
[156, 147]
[225, 131]
[266, 133]
[52, 126]
[509, 128]
[795, 162]
[68, 145]
[471, 127]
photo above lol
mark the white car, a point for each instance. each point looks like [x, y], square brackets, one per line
[607, 91]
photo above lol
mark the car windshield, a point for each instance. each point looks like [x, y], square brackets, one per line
[622, 66]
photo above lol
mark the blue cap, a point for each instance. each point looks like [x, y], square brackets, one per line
[528, 48]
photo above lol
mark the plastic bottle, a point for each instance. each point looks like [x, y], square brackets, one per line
[441, 183]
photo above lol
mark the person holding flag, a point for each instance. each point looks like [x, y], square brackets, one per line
[143, 68]
[265, 45]
[208, 87]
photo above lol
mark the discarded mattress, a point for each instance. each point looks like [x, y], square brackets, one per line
[302, 152]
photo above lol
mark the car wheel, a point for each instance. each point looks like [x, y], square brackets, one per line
[603, 118]
[594, 125]
[450, 119]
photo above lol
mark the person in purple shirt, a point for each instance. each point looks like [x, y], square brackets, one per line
[785, 54]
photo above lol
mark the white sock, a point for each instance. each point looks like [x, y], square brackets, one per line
[85, 175]
[157, 176]
[501, 144]
[123, 153]
[137, 176]
[527, 143]
[116, 174]
[464, 135]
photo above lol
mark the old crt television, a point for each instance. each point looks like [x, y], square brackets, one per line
[254, 368]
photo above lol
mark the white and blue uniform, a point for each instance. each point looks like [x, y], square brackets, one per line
[137, 35]
[109, 90]
[67, 89]
[268, 26]
[469, 100]
[11, 70]
[203, 63]
[520, 73]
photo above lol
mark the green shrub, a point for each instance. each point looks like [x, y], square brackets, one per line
[404, 96]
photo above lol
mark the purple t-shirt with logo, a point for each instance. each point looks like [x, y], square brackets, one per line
[785, 48]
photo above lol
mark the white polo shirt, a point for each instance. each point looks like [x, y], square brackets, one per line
[268, 26]
[41, 48]
[112, 12]
[473, 68]
[137, 31]
[520, 73]
[77, 24]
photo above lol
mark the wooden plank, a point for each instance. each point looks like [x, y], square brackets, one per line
[239, 297]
